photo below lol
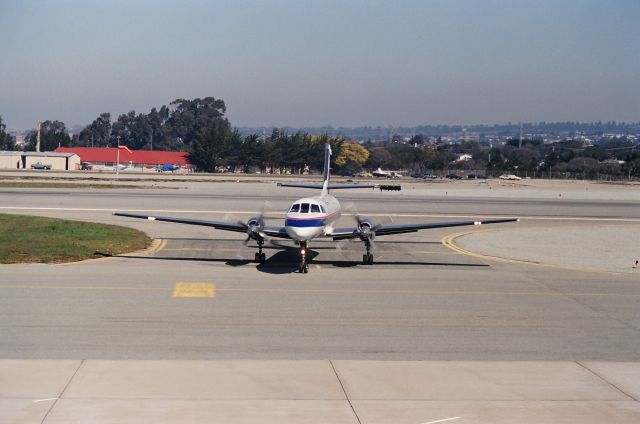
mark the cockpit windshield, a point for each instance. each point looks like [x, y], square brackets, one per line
[307, 208]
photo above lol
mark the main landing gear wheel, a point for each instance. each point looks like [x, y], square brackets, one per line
[367, 258]
[260, 257]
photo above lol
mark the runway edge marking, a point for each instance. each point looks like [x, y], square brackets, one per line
[449, 241]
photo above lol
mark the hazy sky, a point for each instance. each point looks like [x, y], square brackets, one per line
[314, 63]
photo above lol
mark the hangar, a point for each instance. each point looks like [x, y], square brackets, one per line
[67, 161]
[107, 157]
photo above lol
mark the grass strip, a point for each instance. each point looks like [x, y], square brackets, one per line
[19, 184]
[27, 239]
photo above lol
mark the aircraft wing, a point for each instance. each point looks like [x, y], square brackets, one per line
[342, 186]
[385, 230]
[238, 227]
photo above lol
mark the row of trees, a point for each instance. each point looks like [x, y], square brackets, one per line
[220, 147]
[200, 127]
[165, 128]
[6, 143]
[170, 127]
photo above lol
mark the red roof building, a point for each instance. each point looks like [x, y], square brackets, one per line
[105, 155]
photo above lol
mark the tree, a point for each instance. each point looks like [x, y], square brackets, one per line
[190, 116]
[495, 161]
[352, 156]
[6, 142]
[213, 146]
[98, 133]
[53, 134]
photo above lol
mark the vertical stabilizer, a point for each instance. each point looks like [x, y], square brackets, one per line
[326, 174]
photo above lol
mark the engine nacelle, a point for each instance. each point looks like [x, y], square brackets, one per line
[254, 227]
[365, 229]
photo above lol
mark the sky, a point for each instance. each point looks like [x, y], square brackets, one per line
[307, 63]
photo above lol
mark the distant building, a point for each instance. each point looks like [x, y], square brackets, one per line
[33, 160]
[20, 140]
[97, 157]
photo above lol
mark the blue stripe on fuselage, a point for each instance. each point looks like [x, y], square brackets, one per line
[304, 222]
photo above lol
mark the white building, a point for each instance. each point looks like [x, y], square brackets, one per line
[24, 160]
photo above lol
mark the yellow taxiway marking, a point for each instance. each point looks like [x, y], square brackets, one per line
[158, 247]
[194, 290]
[449, 241]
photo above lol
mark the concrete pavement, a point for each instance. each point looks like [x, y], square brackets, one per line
[412, 392]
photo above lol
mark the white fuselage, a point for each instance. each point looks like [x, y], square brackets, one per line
[311, 217]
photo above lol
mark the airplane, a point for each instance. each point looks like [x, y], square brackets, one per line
[387, 174]
[309, 218]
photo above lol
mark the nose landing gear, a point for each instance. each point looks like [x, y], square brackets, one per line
[303, 268]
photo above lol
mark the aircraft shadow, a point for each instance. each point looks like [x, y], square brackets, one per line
[285, 262]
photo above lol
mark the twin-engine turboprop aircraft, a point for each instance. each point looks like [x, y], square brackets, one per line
[312, 217]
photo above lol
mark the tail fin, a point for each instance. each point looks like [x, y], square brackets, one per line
[326, 176]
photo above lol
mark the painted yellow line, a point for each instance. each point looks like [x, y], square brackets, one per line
[192, 290]
[160, 246]
[449, 241]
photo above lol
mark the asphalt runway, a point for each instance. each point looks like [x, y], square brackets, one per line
[420, 301]
[536, 321]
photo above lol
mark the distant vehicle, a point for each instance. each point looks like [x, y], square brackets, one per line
[364, 174]
[40, 165]
[423, 175]
[167, 167]
[454, 177]
[387, 174]
[476, 177]
[509, 177]
[85, 166]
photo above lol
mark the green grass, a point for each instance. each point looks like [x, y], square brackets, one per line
[26, 239]
[29, 184]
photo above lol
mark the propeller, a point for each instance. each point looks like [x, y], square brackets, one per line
[255, 225]
[365, 227]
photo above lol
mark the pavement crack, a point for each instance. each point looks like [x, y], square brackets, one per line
[607, 381]
[345, 392]
[64, 389]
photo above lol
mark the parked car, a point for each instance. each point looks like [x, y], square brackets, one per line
[454, 177]
[85, 166]
[40, 165]
[476, 177]
[509, 177]
[424, 176]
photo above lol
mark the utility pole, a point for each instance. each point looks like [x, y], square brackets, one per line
[38, 137]
[520, 140]
[118, 159]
